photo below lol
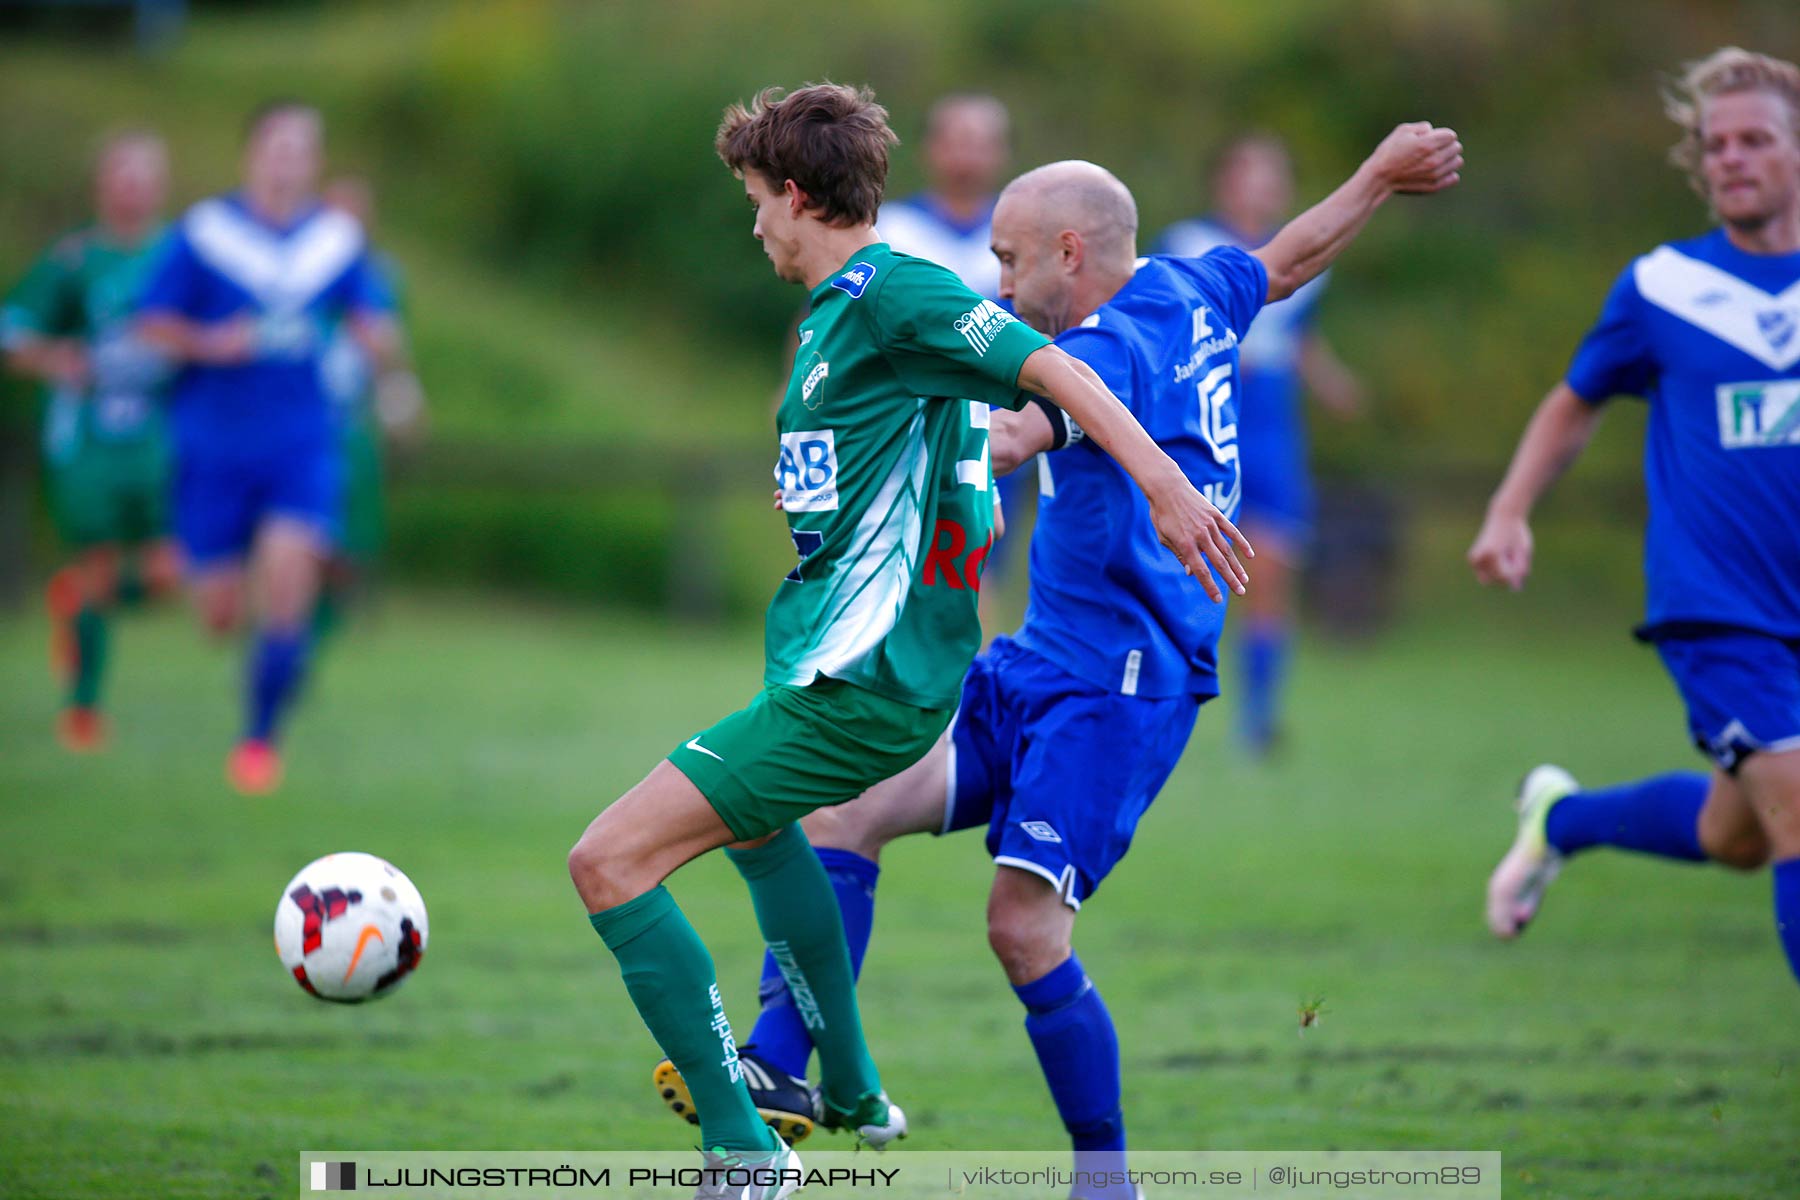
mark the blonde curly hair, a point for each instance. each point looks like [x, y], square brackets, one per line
[1721, 73]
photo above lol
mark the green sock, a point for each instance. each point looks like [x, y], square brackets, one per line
[90, 657]
[131, 591]
[670, 978]
[327, 614]
[798, 914]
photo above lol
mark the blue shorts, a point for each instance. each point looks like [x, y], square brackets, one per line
[1272, 455]
[1060, 771]
[1742, 690]
[219, 505]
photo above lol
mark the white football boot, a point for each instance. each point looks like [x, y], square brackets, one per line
[1516, 887]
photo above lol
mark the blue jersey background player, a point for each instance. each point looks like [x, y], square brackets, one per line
[1708, 331]
[246, 289]
[1252, 183]
[1067, 731]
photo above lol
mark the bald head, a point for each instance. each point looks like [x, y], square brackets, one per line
[1066, 237]
[1080, 196]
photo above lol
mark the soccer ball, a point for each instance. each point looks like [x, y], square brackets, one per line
[350, 927]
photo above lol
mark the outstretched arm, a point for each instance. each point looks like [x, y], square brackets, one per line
[1186, 522]
[219, 343]
[61, 361]
[1415, 157]
[1553, 440]
[1327, 377]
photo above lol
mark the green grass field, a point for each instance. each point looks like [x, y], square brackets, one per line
[1641, 1041]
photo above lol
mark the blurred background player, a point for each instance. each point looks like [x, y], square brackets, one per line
[1708, 331]
[1253, 190]
[246, 291]
[964, 153]
[369, 406]
[1067, 730]
[69, 324]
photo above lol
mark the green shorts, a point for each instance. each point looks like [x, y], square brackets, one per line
[795, 749]
[106, 492]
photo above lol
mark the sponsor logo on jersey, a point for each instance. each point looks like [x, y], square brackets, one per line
[805, 336]
[1204, 352]
[807, 471]
[952, 558]
[817, 369]
[1759, 414]
[981, 324]
[1040, 831]
[855, 280]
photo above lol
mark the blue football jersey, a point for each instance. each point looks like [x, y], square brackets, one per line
[1108, 603]
[223, 261]
[1710, 336]
[1270, 355]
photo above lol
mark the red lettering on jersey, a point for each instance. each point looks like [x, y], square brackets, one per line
[942, 555]
[977, 560]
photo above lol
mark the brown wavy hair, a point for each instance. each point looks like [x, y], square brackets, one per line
[831, 140]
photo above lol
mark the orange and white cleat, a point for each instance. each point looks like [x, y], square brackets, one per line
[254, 768]
[81, 729]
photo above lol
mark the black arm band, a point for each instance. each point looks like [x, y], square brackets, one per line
[1063, 429]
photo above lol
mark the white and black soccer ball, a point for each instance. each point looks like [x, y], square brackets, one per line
[350, 927]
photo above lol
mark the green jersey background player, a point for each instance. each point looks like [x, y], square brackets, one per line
[888, 493]
[371, 406]
[106, 454]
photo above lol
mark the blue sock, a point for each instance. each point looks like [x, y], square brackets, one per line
[1264, 663]
[1659, 815]
[1787, 911]
[779, 1034]
[1079, 1051]
[276, 669]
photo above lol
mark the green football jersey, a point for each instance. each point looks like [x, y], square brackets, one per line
[86, 287]
[885, 478]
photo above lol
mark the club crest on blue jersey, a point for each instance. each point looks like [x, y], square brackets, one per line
[1778, 326]
[856, 280]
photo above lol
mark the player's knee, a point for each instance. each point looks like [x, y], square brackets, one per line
[844, 827]
[591, 869]
[1742, 851]
[1026, 947]
[220, 615]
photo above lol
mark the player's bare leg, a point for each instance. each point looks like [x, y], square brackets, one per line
[284, 572]
[160, 564]
[618, 866]
[848, 839]
[910, 802]
[1264, 626]
[1030, 927]
[219, 593]
[1771, 784]
[639, 839]
[1730, 831]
